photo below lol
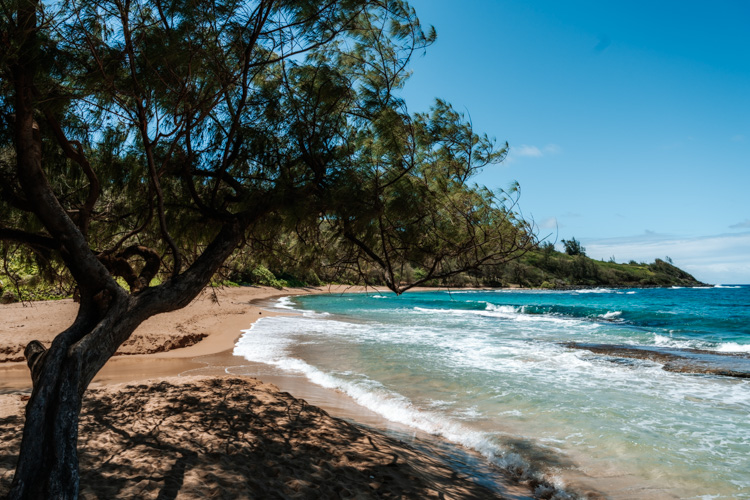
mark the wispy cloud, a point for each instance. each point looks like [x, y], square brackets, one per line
[738, 138]
[741, 225]
[526, 150]
[723, 258]
[549, 223]
[529, 151]
[571, 215]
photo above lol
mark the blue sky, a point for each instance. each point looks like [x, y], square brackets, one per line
[628, 122]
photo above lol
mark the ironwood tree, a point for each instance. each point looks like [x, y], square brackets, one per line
[143, 142]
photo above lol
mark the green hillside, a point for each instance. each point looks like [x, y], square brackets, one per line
[543, 267]
[548, 268]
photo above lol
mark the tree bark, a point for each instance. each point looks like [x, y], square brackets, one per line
[48, 462]
[47, 465]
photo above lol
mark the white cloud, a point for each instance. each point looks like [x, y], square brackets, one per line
[741, 225]
[549, 223]
[525, 150]
[723, 258]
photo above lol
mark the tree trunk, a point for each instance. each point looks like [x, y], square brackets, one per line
[47, 465]
[48, 462]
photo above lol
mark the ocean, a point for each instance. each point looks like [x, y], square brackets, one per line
[632, 393]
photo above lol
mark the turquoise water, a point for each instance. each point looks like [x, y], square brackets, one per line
[491, 370]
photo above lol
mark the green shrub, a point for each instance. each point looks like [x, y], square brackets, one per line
[262, 276]
[312, 279]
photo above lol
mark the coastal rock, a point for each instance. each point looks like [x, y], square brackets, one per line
[695, 361]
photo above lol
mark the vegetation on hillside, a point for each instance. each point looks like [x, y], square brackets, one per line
[548, 268]
[542, 267]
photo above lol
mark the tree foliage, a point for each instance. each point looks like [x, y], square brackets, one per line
[573, 247]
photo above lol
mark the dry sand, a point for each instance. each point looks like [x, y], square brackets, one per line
[220, 436]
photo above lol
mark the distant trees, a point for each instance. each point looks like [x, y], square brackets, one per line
[547, 248]
[142, 142]
[573, 247]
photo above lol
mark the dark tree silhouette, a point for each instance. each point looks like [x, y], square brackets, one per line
[148, 140]
[573, 247]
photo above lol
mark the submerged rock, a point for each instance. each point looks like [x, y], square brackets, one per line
[675, 359]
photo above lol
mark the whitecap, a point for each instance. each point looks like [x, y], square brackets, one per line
[732, 347]
[314, 314]
[724, 347]
[610, 315]
[509, 310]
[272, 347]
[285, 303]
[663, 341]
[288, 304]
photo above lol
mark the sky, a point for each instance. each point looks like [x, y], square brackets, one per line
[628, 121]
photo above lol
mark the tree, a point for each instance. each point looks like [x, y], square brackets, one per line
[547, 248]
[146, 141]
[424, 214]
[573, 247]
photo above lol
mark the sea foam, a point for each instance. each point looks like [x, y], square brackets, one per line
[478, 371]
[375, 397]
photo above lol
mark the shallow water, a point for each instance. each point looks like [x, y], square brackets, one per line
[490, 370]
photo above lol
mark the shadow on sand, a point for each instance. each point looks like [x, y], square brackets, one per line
[237, 438]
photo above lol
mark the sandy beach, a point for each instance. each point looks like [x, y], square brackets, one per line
[168, 417]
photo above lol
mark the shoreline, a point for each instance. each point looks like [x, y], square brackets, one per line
[223, 322]
[216, 318]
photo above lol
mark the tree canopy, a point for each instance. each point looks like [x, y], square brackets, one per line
[574, 247]
[147, 140]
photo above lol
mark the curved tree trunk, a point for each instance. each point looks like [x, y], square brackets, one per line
[47, 465]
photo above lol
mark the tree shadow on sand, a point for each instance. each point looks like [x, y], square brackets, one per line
[230, 438]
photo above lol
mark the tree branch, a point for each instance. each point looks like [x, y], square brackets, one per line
[87, 270]
[29, 239]
[79, 157]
